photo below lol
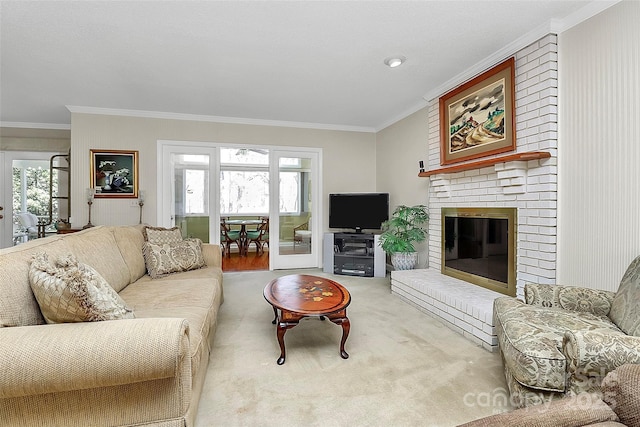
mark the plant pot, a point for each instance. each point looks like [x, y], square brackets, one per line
[404, 260]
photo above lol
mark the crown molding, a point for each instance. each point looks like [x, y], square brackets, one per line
[588, 11]
[497, 57]
[554, 26]
[416, 107]
[25, 125]
[213, 119]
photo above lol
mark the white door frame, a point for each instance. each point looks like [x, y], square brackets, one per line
[313, 259]
[165, 188]
[6, 192]
[166, 147]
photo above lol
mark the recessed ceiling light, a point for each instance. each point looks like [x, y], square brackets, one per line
[395, 61]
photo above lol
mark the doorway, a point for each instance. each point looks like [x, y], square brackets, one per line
[247, 186]
[185, 190]
[296, 190]
[25, 196]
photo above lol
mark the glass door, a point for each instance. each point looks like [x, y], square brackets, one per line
[186, 201]
[24, 196]
[295, 224]
[200, 184]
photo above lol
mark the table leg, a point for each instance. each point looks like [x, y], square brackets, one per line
[346, 326]
[282, 328]
[275, 314]
[243, 240]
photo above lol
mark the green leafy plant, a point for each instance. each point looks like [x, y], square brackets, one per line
[405, 227]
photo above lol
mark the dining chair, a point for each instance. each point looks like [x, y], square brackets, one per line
[265, 236]
[227, 237]
[260, 236]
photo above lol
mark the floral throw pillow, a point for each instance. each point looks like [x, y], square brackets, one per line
[161, 235]
[70, 291]
[163, 259]
[625, 310]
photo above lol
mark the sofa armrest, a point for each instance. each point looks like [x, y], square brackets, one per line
[573, 411]
[73, 356]
[212, 254]
[572, 298]
[621, 391]
[592, 354]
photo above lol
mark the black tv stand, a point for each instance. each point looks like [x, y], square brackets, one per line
[354, 254]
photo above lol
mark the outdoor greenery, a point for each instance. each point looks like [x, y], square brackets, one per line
[405, 227]
[37, 191]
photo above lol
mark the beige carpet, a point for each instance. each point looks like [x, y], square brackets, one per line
[405, 368]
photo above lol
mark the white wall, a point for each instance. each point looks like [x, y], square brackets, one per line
[348, 157]
[399, 148]
[599, 148]
[33, 139]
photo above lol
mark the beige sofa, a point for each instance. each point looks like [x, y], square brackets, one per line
[563, 340]
[144, 371]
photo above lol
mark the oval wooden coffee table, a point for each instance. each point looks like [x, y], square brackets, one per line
[297, 296]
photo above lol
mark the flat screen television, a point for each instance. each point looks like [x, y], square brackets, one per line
[358, 211]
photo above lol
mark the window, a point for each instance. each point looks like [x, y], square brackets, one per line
[294, 188]
[244, 156]
[244, 181]
[244, 192]
[31, 188]
[191, 184]
[196, 192]
[290, 189]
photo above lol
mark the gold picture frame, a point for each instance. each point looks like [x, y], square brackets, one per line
[477, 118]
[114, 174]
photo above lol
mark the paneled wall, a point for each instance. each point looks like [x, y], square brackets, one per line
[599, 150]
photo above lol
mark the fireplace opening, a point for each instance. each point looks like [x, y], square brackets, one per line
[478, 246]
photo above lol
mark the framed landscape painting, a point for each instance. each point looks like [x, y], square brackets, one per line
[114, 173]
[477, 118]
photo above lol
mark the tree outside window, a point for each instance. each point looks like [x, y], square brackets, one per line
[31, 191]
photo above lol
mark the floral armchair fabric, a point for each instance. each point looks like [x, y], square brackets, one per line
[564, 340]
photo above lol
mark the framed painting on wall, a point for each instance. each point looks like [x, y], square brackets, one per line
[114, 173]
[477, 118]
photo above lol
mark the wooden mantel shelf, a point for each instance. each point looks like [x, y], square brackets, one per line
[530, 155]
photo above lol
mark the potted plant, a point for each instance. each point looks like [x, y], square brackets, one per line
[406, 226]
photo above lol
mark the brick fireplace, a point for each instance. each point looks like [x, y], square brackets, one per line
[528, 186]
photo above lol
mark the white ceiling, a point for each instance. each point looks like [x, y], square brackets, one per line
[302, 62]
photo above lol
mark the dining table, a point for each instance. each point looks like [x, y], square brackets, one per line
[243, 231]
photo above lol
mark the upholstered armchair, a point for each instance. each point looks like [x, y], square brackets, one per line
[564, 340]
[29, 223]
[302, 234]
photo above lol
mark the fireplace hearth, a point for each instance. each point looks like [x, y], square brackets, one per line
[479, 247]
